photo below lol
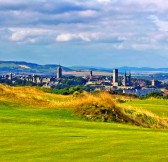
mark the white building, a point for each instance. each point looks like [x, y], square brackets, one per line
[141, 92]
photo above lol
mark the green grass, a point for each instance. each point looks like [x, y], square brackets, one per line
[157, 106]
[31, 134]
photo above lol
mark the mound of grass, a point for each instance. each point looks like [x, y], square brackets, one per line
[99, 107]
[103, 107]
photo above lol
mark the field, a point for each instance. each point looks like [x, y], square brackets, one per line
[50, 133]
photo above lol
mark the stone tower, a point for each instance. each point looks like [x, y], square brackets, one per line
[10, 76]
[125, 79]
[129, 79]
[115, 77]
[91, 75]
[59, 72]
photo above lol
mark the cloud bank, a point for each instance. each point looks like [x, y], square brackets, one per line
[140, 25]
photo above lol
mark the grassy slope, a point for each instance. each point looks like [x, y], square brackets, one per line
[57, 135]
[35, 133]
[157, 106]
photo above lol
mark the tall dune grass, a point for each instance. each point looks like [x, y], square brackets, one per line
[101, 107]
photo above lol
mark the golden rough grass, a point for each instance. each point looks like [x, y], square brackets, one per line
[32, 95]
[87, 105]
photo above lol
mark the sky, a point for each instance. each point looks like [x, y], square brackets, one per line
[102, 33]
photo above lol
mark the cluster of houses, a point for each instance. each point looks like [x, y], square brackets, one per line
[117, 83]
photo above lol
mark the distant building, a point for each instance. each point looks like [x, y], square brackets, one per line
[115, 77]
[37, 79]
[129, 79]
[46, 80]
[10, 76]
[141, 92]
[91, 75]
[29, 78]
[156, 83]
[125, 79]
[59, 72]
[165, 92]
[121, 80]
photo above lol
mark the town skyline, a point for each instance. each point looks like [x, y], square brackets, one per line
[114, 83]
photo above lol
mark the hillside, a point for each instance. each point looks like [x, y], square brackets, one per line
[25, 67]
[121, 69]
[49, 69]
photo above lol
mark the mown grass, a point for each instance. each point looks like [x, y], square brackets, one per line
[157, 106]
[31, 134]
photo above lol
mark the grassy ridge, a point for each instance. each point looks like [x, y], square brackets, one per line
[102, 106]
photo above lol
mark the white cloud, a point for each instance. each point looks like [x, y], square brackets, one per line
[87, 37]
[87, 13]
[160, 4]
[65, 37]
[100, 21]
[103, 1]
[19, 34]
[162, 25]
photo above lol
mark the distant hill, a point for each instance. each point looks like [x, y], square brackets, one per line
[121, 69]
[142, 69]
[20, 67]
[89, 68]
[25, 67]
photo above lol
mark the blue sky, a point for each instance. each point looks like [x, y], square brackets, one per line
[104, 33]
